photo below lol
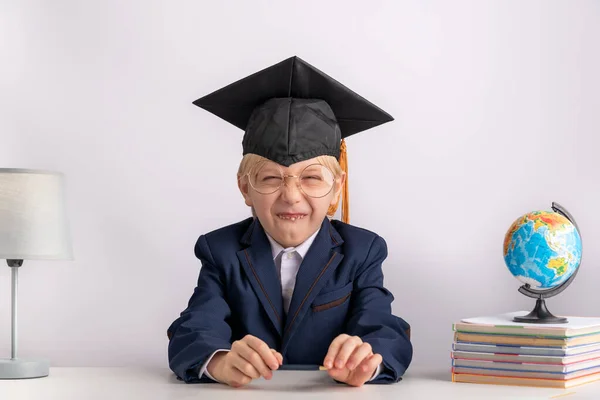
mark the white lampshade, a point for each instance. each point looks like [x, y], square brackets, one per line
[33, 220]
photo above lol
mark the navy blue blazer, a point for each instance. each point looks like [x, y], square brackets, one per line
[339, 289]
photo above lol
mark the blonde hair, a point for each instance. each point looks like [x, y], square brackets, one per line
[251, 162]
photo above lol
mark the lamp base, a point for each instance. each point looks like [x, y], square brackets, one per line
[23, 369]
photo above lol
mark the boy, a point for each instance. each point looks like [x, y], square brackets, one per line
[289, 286]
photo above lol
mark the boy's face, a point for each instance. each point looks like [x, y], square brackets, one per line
[288, 214]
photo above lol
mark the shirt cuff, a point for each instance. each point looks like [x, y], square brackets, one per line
[377, 372]
[204, 371]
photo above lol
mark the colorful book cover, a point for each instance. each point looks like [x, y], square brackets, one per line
[521, 358]
[526, 350]
[504, 324]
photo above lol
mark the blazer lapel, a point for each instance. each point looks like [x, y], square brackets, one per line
[316, 268]
[258, 264]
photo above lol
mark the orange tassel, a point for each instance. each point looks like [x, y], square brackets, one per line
[344, 195]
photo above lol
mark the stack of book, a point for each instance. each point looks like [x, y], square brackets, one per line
[496, 350]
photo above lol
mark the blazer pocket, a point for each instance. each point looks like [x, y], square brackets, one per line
[325, 301]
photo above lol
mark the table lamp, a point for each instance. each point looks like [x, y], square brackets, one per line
[33, 226]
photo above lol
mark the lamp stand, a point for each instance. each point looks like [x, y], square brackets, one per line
[16, 368]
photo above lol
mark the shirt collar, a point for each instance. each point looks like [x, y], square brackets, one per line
[301, 249]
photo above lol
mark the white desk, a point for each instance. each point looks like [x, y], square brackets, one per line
[161, 384]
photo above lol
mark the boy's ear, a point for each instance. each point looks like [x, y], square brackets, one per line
[338, 189]
[243, 186]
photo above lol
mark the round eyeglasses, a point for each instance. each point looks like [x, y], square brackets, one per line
[316, 180]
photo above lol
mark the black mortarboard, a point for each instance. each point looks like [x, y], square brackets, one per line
[291, 112]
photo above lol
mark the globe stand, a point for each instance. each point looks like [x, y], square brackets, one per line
[540, 314]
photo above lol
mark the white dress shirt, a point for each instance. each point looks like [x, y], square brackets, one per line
[287, 262]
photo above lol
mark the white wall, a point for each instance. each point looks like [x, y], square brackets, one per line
[496, 106]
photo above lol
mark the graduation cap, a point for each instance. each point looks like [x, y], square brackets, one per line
[291, 112]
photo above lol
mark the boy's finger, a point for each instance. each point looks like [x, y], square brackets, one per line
[369, 364]
[334, 348]
[263, 351]
[360, 353]
[278, 356]
[340, 375]
[252, 357]
[243, 366]
[346, 350]
[238, 378]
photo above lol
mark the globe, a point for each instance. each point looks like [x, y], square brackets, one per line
[542, 249]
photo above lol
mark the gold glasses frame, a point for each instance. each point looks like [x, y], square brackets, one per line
[298, 184]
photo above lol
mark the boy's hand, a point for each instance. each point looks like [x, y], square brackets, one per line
[350, 360]
[249, 358]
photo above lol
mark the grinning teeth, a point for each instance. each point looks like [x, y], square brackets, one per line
[291, 218]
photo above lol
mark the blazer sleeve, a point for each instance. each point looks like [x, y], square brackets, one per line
[371, 318]
[202, 327]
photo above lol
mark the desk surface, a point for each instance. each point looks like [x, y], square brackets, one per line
[160, 384]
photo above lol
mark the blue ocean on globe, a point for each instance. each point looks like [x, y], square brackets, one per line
[542, 249]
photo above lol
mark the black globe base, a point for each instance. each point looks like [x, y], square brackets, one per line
[540, 315]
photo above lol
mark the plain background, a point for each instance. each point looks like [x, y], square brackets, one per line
[496, 114]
